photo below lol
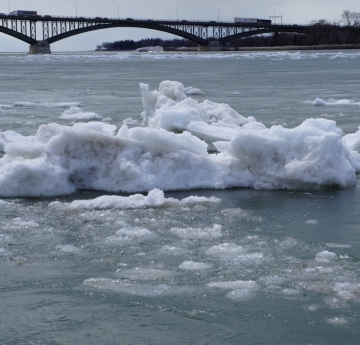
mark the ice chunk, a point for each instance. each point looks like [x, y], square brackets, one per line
[335, 303]
[162, 140]
[319, 102]
[62, 159]
[84, 157]
[155, 198]
[35, 177]
[352, 141]
[173, 90]
[194, 266]
[96, 126]
[222, 114]
[325, 256]
[235, 285]
[169, 109]
[335, 245]
[245, 292]
[189, 91]
[24, 149]
[76, 113]
[13, 137]
[124, 286]
[128, 234]
[234, 253]
[144, 273]
[234, 212]
[198, 233]
[337, 321]
[310, 154]
[288, 243]
[331, 101]
[130, 121]
[227, 249]
[347, 291]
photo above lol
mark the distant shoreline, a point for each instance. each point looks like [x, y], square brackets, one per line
[277, 48]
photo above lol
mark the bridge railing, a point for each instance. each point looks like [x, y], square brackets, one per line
[49, 18]
[128, 19]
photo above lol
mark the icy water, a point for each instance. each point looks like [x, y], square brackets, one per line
[254, 267]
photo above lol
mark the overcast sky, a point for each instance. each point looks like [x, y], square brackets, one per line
[292, 11]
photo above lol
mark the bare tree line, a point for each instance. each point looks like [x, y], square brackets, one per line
[351, 18]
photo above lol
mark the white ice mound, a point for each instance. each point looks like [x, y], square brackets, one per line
[155, 198]
[62, 159]
[319, 102]
[193, 91]
[96, 126]
[170, 153]
[173, 90]
[170, 109]
[165, 141]
[311, 154]
[331, 101]
[352, 143]
[76, 113]
[11, 136]
[325, 256]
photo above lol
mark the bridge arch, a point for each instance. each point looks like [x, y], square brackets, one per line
[156, 27]
[259, 32]
[150, 26]
[18, 35]
[55, 29]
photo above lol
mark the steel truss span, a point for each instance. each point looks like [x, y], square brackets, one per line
[52, 29]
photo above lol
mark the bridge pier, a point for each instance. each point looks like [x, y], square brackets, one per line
[41, 47]
[211, 47]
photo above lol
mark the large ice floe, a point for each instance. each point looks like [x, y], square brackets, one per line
[183, 144]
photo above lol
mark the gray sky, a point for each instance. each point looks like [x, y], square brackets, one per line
[295, 12]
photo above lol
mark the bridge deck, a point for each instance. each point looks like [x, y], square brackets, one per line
[55, 28]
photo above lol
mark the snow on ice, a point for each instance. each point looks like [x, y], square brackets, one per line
[76, 113]
[155, 198]
[173, 151]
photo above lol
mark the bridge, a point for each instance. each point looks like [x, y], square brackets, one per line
[210, 35]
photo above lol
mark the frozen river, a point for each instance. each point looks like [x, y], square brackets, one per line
[255, 242]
